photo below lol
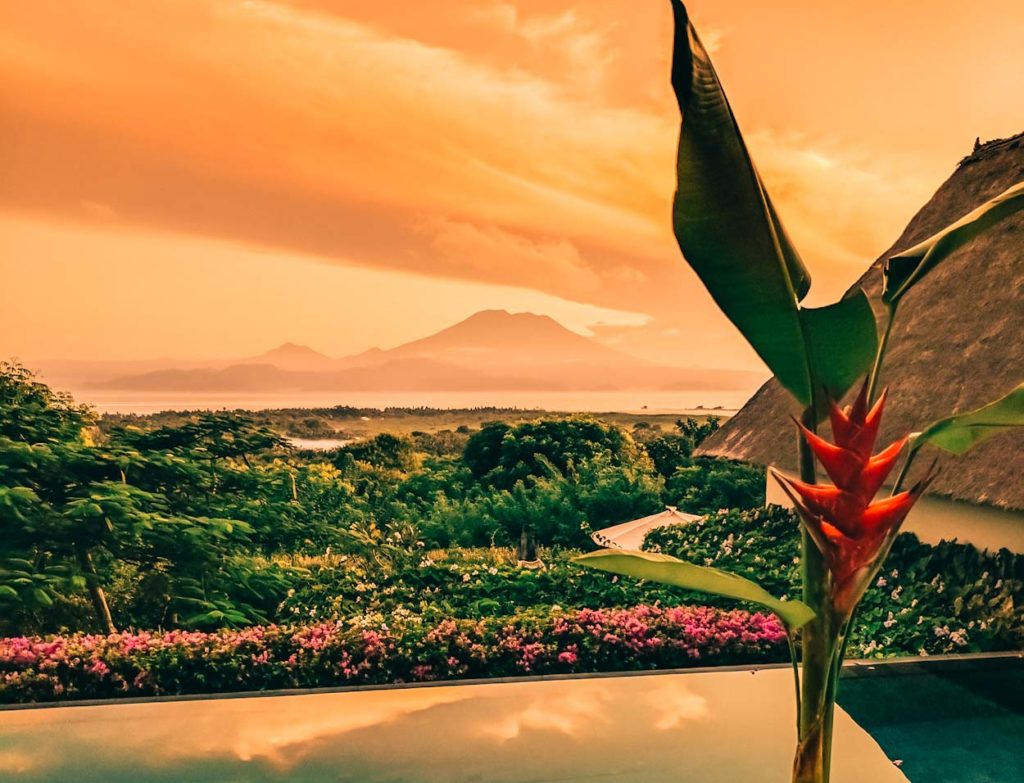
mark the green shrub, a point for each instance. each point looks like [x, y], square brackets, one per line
[462, 583]
[710, 484]
[928, 600]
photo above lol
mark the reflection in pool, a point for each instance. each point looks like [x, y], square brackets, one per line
[704, 727]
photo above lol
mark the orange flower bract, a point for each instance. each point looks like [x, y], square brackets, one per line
[850, 528]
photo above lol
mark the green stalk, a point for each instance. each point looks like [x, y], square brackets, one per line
[819, 640]
[794, 659]
[833, 686]
[911, 453]
[876, 369]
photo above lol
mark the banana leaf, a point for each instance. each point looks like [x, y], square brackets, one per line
[960, 433]
[903, 270]
[730, 234]
[672, 571]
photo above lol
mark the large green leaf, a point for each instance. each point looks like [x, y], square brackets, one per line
[959, 434]
[672, 571]
[725, 223]
[842, 341]
[903, 270]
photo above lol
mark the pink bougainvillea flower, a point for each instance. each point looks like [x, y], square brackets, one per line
[850, 528]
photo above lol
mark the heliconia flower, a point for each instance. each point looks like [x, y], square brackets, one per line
[850, 527]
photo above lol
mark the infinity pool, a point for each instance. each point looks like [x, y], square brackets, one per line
[704, 727]
[947, 721]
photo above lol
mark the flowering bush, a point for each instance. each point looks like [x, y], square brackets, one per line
[929, 600]
[382, 649]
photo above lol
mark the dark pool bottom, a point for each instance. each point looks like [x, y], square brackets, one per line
[946, 721]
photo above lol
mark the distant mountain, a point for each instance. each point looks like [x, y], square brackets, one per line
[412, 374]
[235, 377]
[290, 356]
[501, 338]
[491, 350]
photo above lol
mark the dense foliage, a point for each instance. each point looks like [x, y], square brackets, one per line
[382, 649]
[928, 600]
[184, 520]
[73, 510]
[209, 521]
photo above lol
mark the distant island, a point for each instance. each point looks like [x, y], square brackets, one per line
[489, 351]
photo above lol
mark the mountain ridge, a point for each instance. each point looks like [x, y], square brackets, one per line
[489, 350]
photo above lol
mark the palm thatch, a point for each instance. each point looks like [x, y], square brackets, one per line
[958, 343]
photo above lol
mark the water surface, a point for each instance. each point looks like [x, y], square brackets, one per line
[701, 727]
[594, 401]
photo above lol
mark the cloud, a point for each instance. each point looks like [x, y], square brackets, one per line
[511, 257]
[565, 712]
[525, 143]
[842, 205]
[304, 130]
[712, 39]
[96, 210]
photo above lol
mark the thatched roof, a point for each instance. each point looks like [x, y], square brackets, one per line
[958, 343]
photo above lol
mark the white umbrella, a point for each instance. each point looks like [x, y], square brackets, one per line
[630, 535]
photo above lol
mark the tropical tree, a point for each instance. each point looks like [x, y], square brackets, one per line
[500, 455]
[74, 511]
[731, 235]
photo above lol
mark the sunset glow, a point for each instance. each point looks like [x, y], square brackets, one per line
[212, 177]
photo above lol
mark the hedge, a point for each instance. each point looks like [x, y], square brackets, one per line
[398, 648]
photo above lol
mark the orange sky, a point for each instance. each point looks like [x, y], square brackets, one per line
[211, 177]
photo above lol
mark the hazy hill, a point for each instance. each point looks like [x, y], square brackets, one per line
[290, 356]
[497, 337]
[491, 350]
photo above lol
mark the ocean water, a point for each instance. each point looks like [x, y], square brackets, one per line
[725, 401]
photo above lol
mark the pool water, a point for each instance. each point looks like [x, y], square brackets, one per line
[699, 727]
[959, 721]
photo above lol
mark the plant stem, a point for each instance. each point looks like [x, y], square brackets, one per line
[833, 688]
[96, 592]
[793, 657]
[819, 642]
[876, 369]
[911, 453]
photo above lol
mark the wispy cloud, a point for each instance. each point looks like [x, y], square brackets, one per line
[521, 143]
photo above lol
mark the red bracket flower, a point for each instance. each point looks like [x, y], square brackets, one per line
[850, 527]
